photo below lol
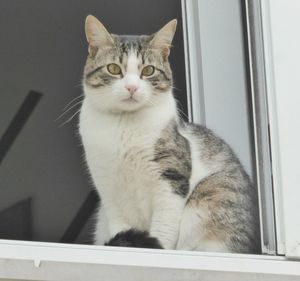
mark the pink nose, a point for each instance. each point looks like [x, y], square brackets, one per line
[131, 89]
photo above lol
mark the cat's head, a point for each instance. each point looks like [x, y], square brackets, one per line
[127, 73]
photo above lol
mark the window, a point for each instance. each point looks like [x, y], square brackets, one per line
[239, 59]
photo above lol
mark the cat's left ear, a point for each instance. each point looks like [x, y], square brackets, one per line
[96, 35]
[163, 38]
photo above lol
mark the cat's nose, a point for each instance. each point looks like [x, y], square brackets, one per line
[131, 89]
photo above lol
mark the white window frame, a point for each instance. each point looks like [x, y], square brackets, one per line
[256, 42]
[52, 261]
[282, 46]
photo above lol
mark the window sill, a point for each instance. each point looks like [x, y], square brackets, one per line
[51, 261]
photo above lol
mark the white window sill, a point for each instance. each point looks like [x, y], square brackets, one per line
[51, 261]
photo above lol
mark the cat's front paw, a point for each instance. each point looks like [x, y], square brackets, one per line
[134, 238]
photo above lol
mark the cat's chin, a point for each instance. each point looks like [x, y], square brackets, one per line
[130, 100]
[129, 105]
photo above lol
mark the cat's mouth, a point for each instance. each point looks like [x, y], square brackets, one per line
[130, 100]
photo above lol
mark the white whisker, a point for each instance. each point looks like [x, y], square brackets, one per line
[61, 115]
[69, 119]
[176, 88]
[69, 103]
[181, 112]
[78, 85]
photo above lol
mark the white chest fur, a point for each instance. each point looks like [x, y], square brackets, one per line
[119, 152]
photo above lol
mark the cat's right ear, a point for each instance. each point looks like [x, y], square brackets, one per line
[96, 35]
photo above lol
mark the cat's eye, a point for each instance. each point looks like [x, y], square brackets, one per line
[148, 70]
[114, 69]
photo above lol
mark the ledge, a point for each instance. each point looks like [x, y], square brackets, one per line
[53, 261]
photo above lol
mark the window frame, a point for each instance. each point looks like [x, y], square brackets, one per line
[255, 43]
[282, 49]
[258, 86]
[56, 261]
[53, 261]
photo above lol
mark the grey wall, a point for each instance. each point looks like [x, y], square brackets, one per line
[43, 48]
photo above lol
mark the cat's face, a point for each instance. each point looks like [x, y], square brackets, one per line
[127, 73]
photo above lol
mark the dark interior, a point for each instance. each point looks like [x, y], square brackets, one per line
[45, 190]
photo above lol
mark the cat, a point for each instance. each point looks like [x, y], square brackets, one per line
[163, 183]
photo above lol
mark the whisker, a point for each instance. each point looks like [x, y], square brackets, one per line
[61, 115]
[181, 112]
[175, 88]
[69, 103]
[78, 85]
[69, 119]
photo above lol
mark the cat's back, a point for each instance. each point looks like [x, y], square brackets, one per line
[212, 156]
[212, 150]
[221, 191]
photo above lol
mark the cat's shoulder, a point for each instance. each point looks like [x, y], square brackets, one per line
[201, 132]
[207, 140]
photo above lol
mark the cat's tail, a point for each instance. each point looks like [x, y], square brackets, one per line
[134, 238]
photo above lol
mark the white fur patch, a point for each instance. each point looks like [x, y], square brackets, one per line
[199, 170]
[132, 64]
[118, 149]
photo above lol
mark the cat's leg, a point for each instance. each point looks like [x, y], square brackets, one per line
[109, 223]
[167, 211]
[114, 231]
[115, 218]
[193, 234]
[102, 233]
